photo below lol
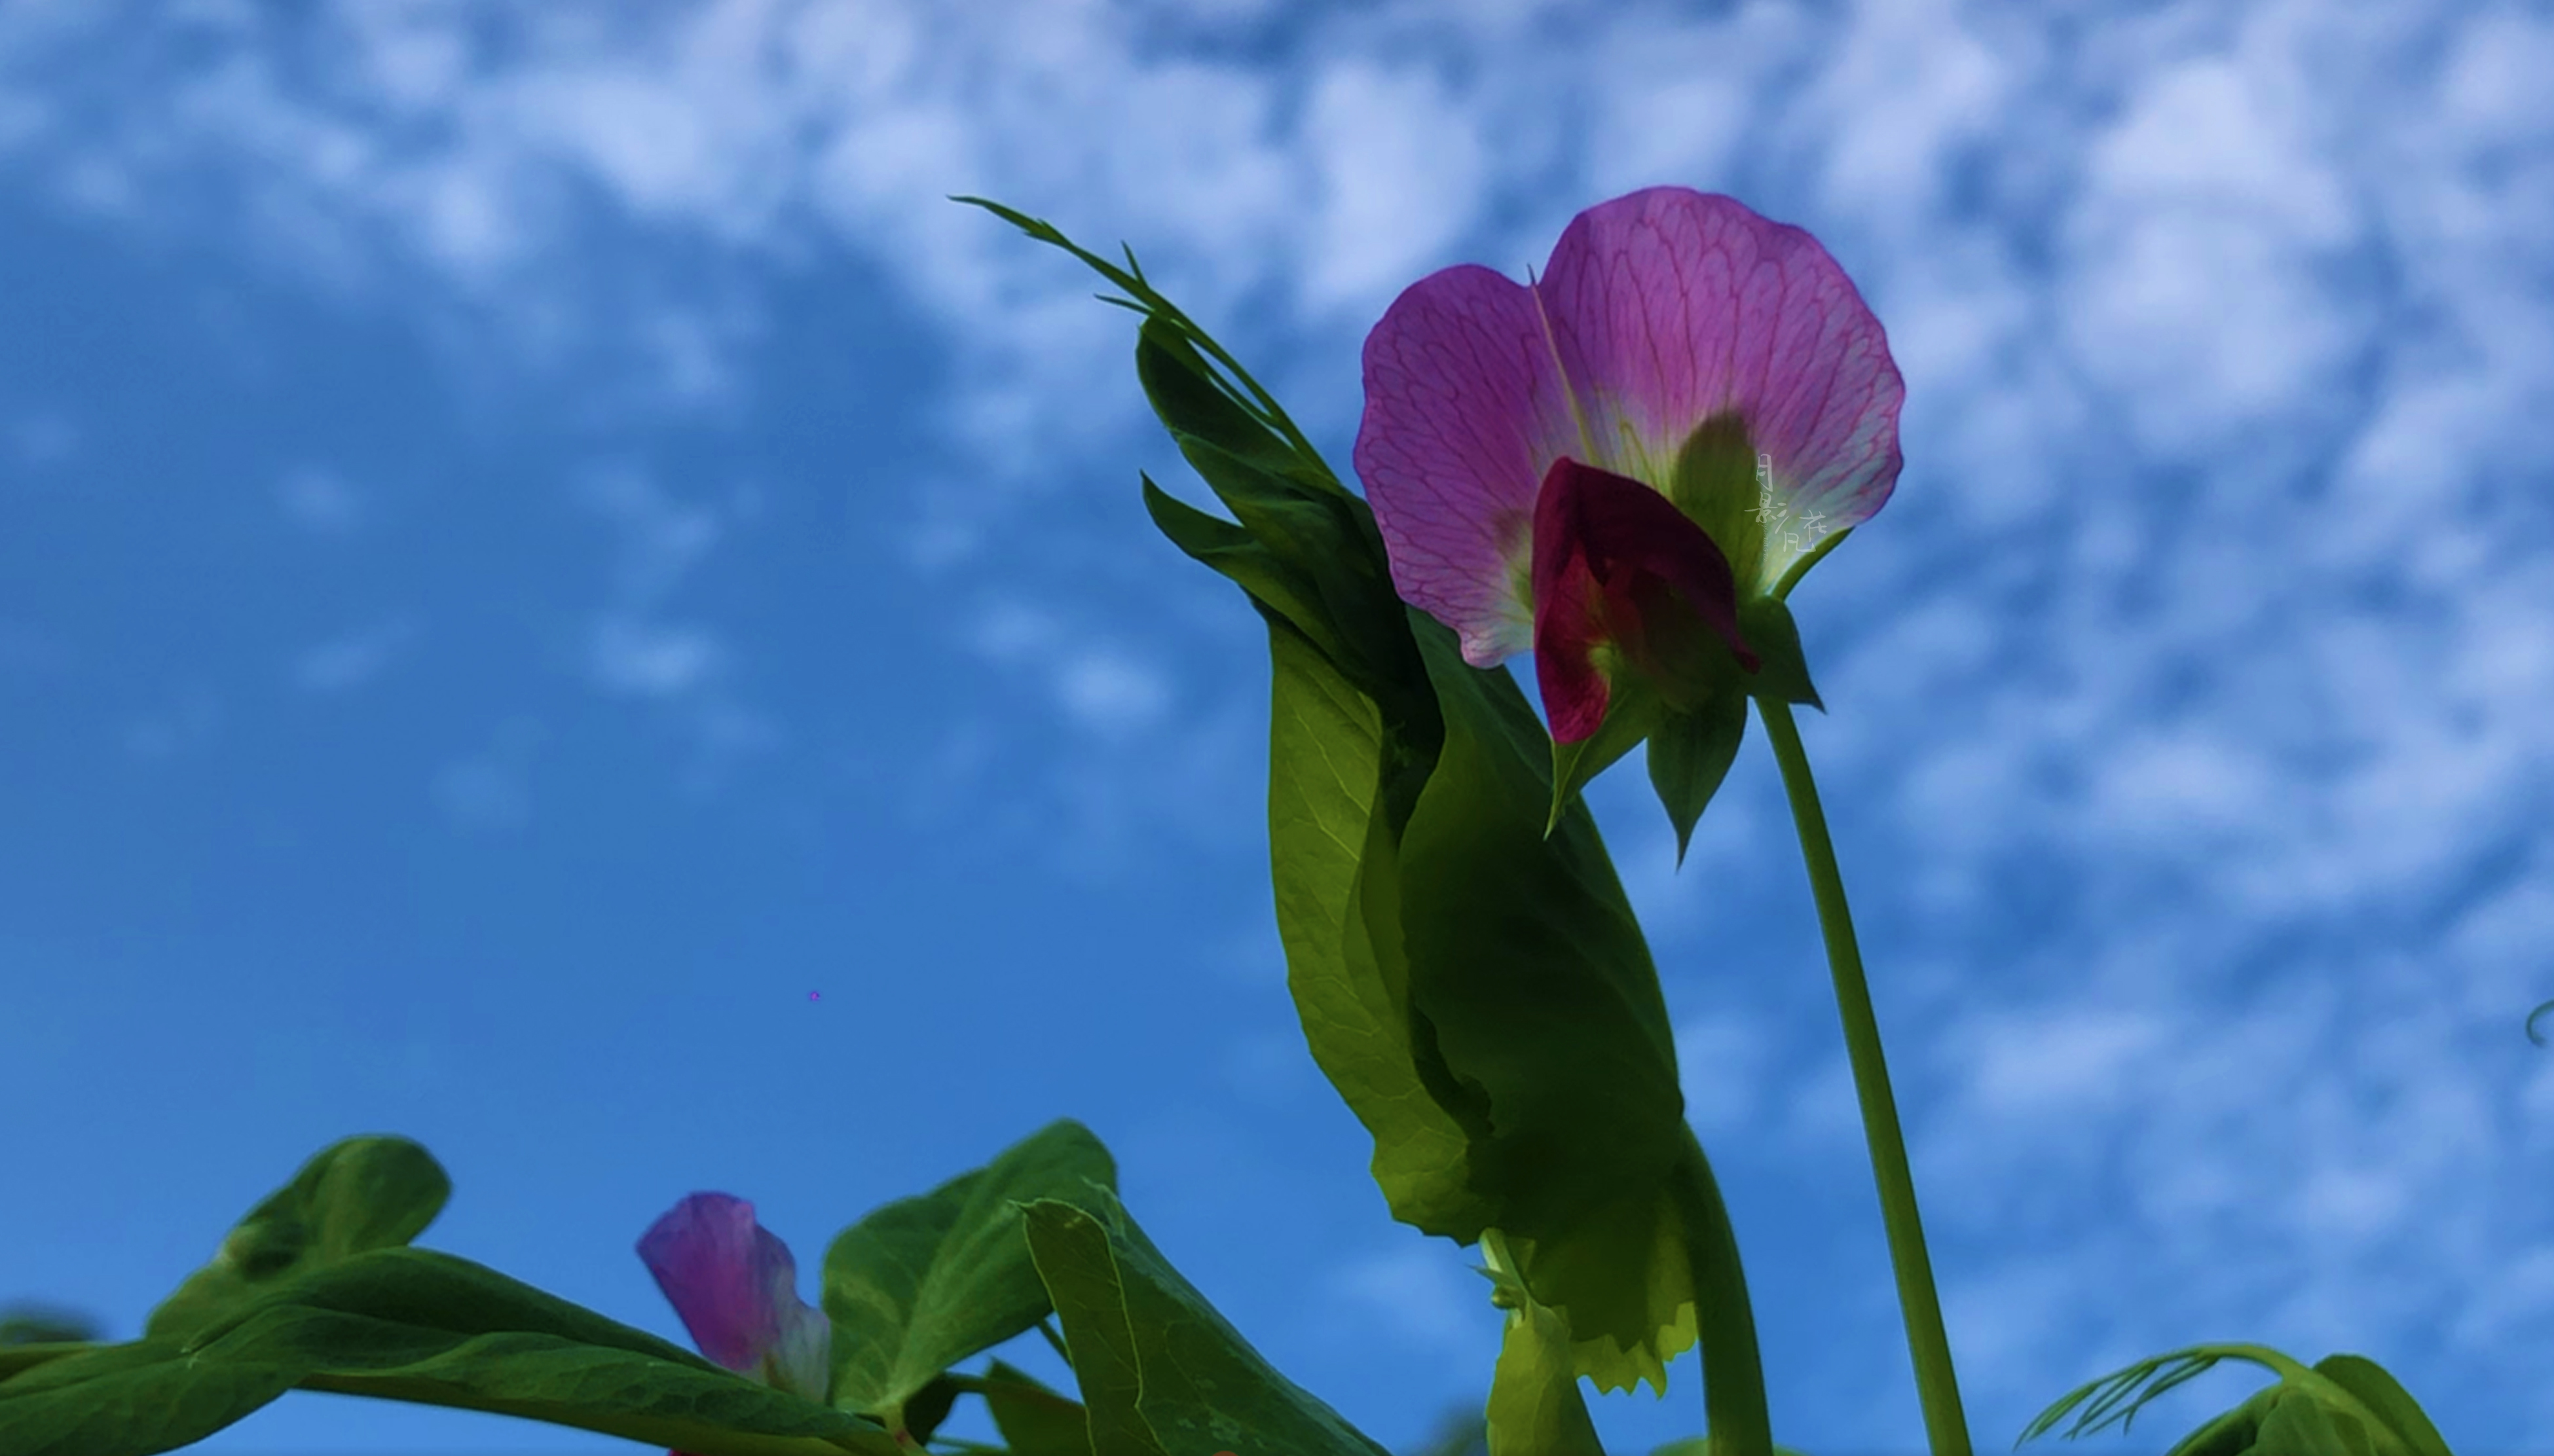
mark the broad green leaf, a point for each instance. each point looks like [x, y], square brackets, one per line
[1481, 998]
[1634, 1252]
[926, 1282]
[2388, 1402]
[1162, 1373]
[2292, 1425]
[1033, 1420]
[1537, 991]
[413, 1324]
[357, 1195]
[1332, 862]
[16, 1358]
[130, 1400]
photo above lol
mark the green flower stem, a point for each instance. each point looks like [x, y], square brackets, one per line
[1936, 1384]
[1733, 1370]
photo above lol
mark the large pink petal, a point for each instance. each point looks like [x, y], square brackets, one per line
[735, 1287]
[1670, 305]
[1463, 413]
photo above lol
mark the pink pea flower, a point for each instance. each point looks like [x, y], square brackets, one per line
[1607, 464]
[735, 1287]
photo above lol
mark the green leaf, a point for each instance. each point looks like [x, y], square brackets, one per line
[1336, 579]
[1241, 389]
[1689, 756]
[357, 1195]
[1629, 1258]
[1201, 409]
[1534, 1407]
[1331, 864]
[1161, 1371]
[413, 1324]
[930, 1405]
[2391, 1405]
[1276, 588]
[1780, 672]
[130, 1400]
[1631, 711]
[1033, 1420]
[1536, 988]
[2294, 1425]
[1480, 997]
[926, 1282]
[2117, 1397]
[2343, 1406]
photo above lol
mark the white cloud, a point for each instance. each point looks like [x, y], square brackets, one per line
[2216, 593]
[1908, 88]
[1111, 693]
[491, 791]
[44, 441]
[351, 659]
[182, 728]
[1401, 172]
[2057, 1064]
[638, 648]
[662, 539]
[1102, 688]
[654, 660]
[320, 502]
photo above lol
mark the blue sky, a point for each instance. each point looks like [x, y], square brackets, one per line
[532, 542]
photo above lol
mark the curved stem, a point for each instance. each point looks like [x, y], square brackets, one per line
[1734, 1369]
[1936, 1384]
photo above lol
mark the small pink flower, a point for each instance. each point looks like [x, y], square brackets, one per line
[1604, 464]
[735, 1287]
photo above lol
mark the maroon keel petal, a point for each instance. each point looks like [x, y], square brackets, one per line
[1599, 540]
[1569, 623]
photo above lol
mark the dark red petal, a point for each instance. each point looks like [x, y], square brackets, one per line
[1569, 623]
[1624, 526]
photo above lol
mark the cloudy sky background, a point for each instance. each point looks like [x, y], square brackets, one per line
[532, 542]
